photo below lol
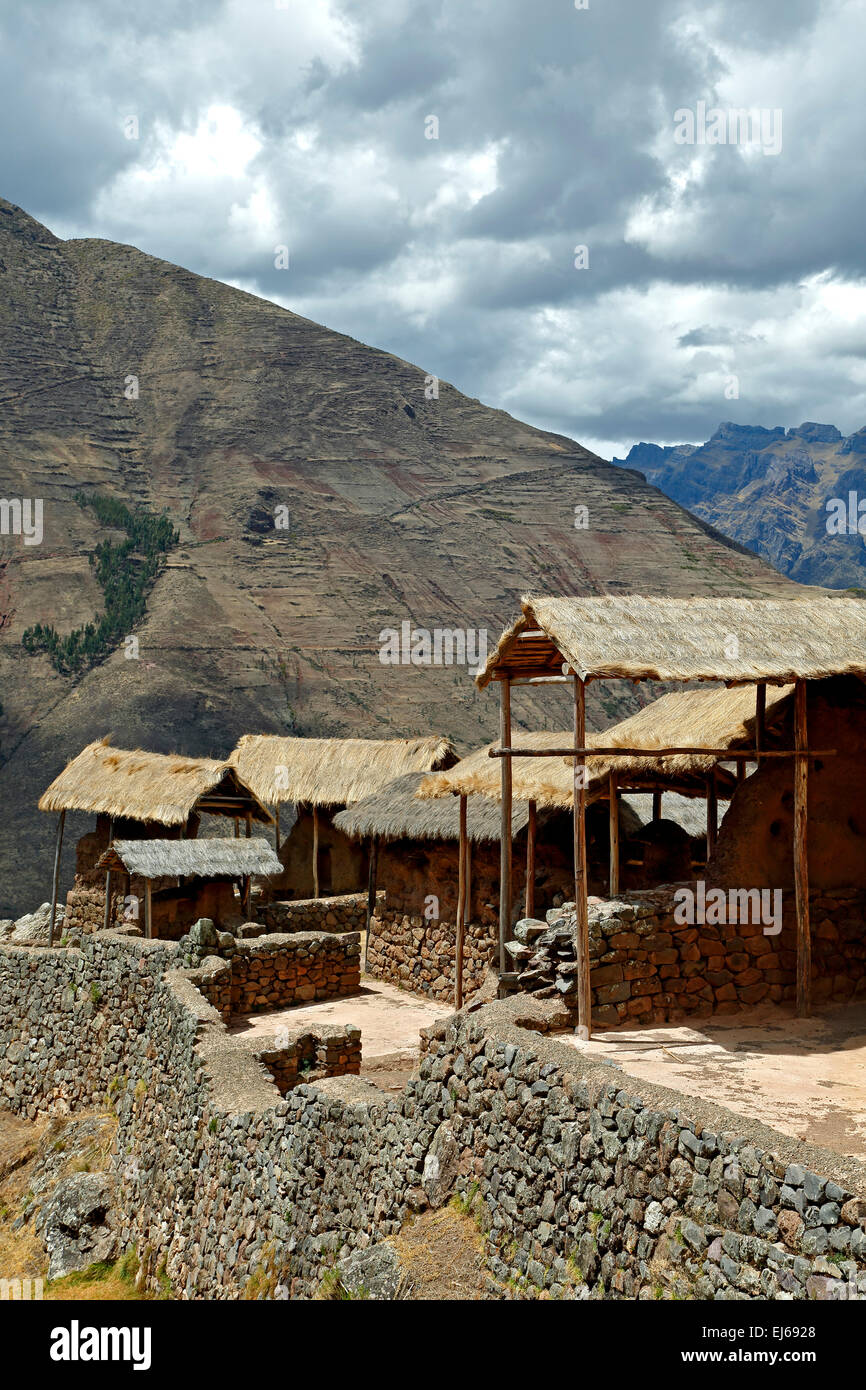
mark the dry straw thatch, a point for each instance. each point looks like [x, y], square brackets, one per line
[332, 771]
[159, 788]
[671, 639]
[396, 813]
[715, 718]
[208, 858]
[546, 781]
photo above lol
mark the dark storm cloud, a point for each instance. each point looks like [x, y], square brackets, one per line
[303, 124]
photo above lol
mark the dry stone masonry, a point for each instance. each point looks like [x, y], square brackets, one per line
[346, 912]
[647, 967]
[586, 1184]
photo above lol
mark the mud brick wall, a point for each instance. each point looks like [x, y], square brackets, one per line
[272, 972]
[344, 913]
[585, 1184]
[648, 968]
[420, 955]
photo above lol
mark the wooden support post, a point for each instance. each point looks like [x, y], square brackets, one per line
[106, 913]
[657, 805]
[505, 823]
[584, 997]
[801, 855]
[315, 852]
[249, 819]
[741, 772]
[613, 813]
[148, 918]
[277, 830]
[529, 904]
[712, 814]
[760, 716]
[372, 873]
[461, 908]
[58, 845]
[467, 909]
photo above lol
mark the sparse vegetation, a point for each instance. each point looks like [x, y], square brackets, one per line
[125, 571]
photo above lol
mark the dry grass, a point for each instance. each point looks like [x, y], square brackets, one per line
[397, 813]
[208, 858]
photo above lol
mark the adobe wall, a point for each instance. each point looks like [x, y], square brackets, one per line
[585, 1184]
[347, 859]
[755, 843]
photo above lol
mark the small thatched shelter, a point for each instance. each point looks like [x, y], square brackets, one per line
[737, 641]
[397, 813]
[319, 777]
[204, 872]
[131, 792]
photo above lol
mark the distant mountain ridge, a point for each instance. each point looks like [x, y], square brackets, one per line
[780, 492]
[323, 491]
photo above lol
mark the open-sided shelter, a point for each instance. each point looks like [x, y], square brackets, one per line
[193, 878]
[738, 641]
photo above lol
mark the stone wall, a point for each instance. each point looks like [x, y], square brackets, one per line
[346, 912]
[420, 955]
[272, 972]
[585, 1183]
[648, 967]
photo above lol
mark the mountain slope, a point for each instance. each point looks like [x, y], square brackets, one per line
[400, 508]
[770, 490]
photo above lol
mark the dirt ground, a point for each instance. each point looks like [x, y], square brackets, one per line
[390, 1020]
[806, 1077]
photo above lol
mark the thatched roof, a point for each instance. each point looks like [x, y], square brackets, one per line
[208, 858]
[546, 781]
[396, 813]
[715, 718]
[159, 788]
[708, 718]
[332, 771]
[688, 811]
[670, 639]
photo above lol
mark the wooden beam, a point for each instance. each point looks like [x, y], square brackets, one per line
[657, 805]
[723, 754]
[529, 901]
[372, 872]
[58, 844]
[712, 814]
[249, 820]
[613, 821]
[801, 855]
[584, 998]
[504, 824]
[148, 916]
[741, 772]
[460, 926]
[315, 851]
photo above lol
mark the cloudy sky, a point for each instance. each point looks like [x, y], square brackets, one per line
[432, 169]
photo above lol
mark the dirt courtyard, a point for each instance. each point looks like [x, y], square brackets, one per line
[806, 1077]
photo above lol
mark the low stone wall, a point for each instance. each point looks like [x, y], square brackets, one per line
[272, 972]
[649, 968]
[345, 913]
[420, 955]
[308, 1056]
[585, 1183]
